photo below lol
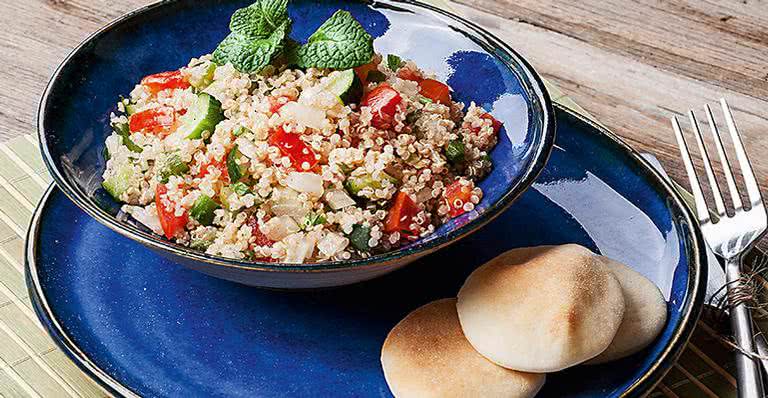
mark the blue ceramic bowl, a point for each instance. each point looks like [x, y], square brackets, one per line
[74, 114]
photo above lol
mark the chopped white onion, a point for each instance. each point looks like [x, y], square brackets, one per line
[278, 228]
[338, 199]
[303, 114]
[305, 182]
[299, 247]
[147, 216]
[246, 147]
[332, 243]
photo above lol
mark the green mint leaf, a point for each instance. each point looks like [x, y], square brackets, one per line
[394, 62]
[259, 19]
[248, 54]
[339, 43]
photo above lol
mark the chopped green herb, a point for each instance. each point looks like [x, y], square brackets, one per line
[454, 152]
[123, 131]
[394, 62]
[312, 219]
[339, 43]
[376, 76]
[359, 237]
[241, 188]
[172, 166]
[234, 169]
[425, 100]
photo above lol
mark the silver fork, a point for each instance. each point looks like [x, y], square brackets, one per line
[729, 235]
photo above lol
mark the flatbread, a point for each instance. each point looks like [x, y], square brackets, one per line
[644, 317]
[426, 355]
[541, 309]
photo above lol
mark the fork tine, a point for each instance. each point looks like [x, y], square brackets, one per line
[719, 205]
[734, 191]
[701, 205]
[746, 169]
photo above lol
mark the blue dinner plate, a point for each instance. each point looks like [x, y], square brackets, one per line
[141, 325]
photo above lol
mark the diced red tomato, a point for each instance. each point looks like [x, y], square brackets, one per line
[277, 102]
[384, 102]
[220, 164]
[362, 70]
[456, 195]
[495, 123]
[165, 80]
[170, 222]
[409, 74]
[291, 145]
[154, 120]
[401, 214]
[435, 90]
[261, 239]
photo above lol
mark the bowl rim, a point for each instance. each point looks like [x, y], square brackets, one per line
[691, 310]
[534, 87]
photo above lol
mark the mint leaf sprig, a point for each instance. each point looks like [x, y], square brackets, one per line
[259, 35]
[339, 43]
[257, 38]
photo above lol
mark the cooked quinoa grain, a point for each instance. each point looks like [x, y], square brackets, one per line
[296, 166]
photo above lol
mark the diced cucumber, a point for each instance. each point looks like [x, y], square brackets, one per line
[172, 166]
[124, 131]
[236, 171]
[202, 210]
[454, 152]
[359, 237]
[240, 131]
[357, 183]
[204, 114]
[394, 62]
[346, 85]
[206, 79]
[119, 182]
[224, 196]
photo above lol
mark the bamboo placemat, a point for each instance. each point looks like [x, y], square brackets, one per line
[31, 365]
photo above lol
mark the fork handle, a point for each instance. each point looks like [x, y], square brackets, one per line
[748, 369]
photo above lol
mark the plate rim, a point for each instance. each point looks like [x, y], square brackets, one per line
[696, 283]
[540, 157]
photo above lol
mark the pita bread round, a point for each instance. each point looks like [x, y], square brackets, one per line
[541, 309]
[426, 355]
[644, 317]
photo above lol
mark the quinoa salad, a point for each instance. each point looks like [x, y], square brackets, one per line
[274, 151]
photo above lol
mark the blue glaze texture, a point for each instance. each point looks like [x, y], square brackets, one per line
[75, 111]
[162, 330]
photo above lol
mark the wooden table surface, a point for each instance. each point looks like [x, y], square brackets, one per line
[631, 64]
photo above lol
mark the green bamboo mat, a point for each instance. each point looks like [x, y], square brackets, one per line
[32, 366]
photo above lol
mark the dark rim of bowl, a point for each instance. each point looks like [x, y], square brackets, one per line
[533, 84]
[691, 311]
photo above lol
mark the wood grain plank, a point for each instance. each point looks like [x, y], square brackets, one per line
[631, 94]
[37, 35]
